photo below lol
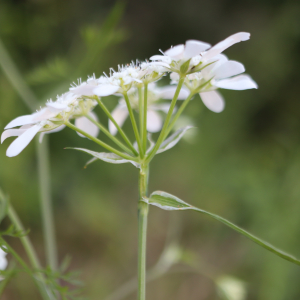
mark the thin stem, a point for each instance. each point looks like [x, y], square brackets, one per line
[142, 225]
[46, 203]
[178, 113]
[145, 117]
[34, 261]
[140, 91]
[166, 124]
[113, 138]
[97, 141]
[133, 122]
[124, 136]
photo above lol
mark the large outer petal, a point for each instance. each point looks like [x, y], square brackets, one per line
[228, 69]
[154, 121]
[19, 121]
[105, 90]
[175, 52]
[22, 141]
[11, 132]
[193, 48]
[213, 101]
[231, 40]
[3, 262]
[120, 113]
[168, 92]
[86, 125]
[241, 82]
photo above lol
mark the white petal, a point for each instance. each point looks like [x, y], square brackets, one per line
[163, 58]
[46, 114]
[175, 52]
[3, 262]
[22, 141]
[231, 40]
[84, 89]
[56, 105]
[168, 92]
[105, 89]
[213, 101]
[11, 132]
[193, 48]
[120, 113]
[212, 65]
[19, 121]
[86, 125]
[228, 69]
[57, 129]
[154, 121]
[241, 82]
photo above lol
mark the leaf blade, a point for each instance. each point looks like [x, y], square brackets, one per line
[169, 202]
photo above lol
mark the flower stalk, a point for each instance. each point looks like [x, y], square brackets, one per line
[142, 231]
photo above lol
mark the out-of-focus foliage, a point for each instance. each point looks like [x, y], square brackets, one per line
[243, 164]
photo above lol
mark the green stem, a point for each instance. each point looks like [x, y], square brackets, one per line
[113, 138]
[140, 91]
[32, 256]
[178, 113]
[166, 124]
[97, 141]
[122, 133]
[142, 225]
[133, 122]
[145, 117]
[46, 203]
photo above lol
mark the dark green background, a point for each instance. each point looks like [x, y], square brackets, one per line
[243, 164]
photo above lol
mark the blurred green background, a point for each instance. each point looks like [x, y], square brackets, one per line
[243, 164]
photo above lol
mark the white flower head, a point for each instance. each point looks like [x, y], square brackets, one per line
[154, 118]
[47, 120]
[219, 72]
[195, 53]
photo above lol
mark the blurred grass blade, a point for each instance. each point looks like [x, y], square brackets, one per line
[170, 202]
[3, 205]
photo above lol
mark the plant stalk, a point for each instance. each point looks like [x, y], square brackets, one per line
[46, 203]
[142, 233]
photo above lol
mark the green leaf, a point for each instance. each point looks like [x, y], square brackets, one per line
[107, 157]
[170, 202]
[173, 139]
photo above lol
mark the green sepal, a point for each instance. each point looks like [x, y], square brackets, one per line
[184, 67]
[170, 202]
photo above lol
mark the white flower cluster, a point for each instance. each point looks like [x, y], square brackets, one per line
[203, 68]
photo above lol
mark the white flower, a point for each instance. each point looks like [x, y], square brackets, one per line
[218, 73]
[154, 119]
[232, 288]
[197, 52]
[48, 120]
[85, 88]
[3, 260]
